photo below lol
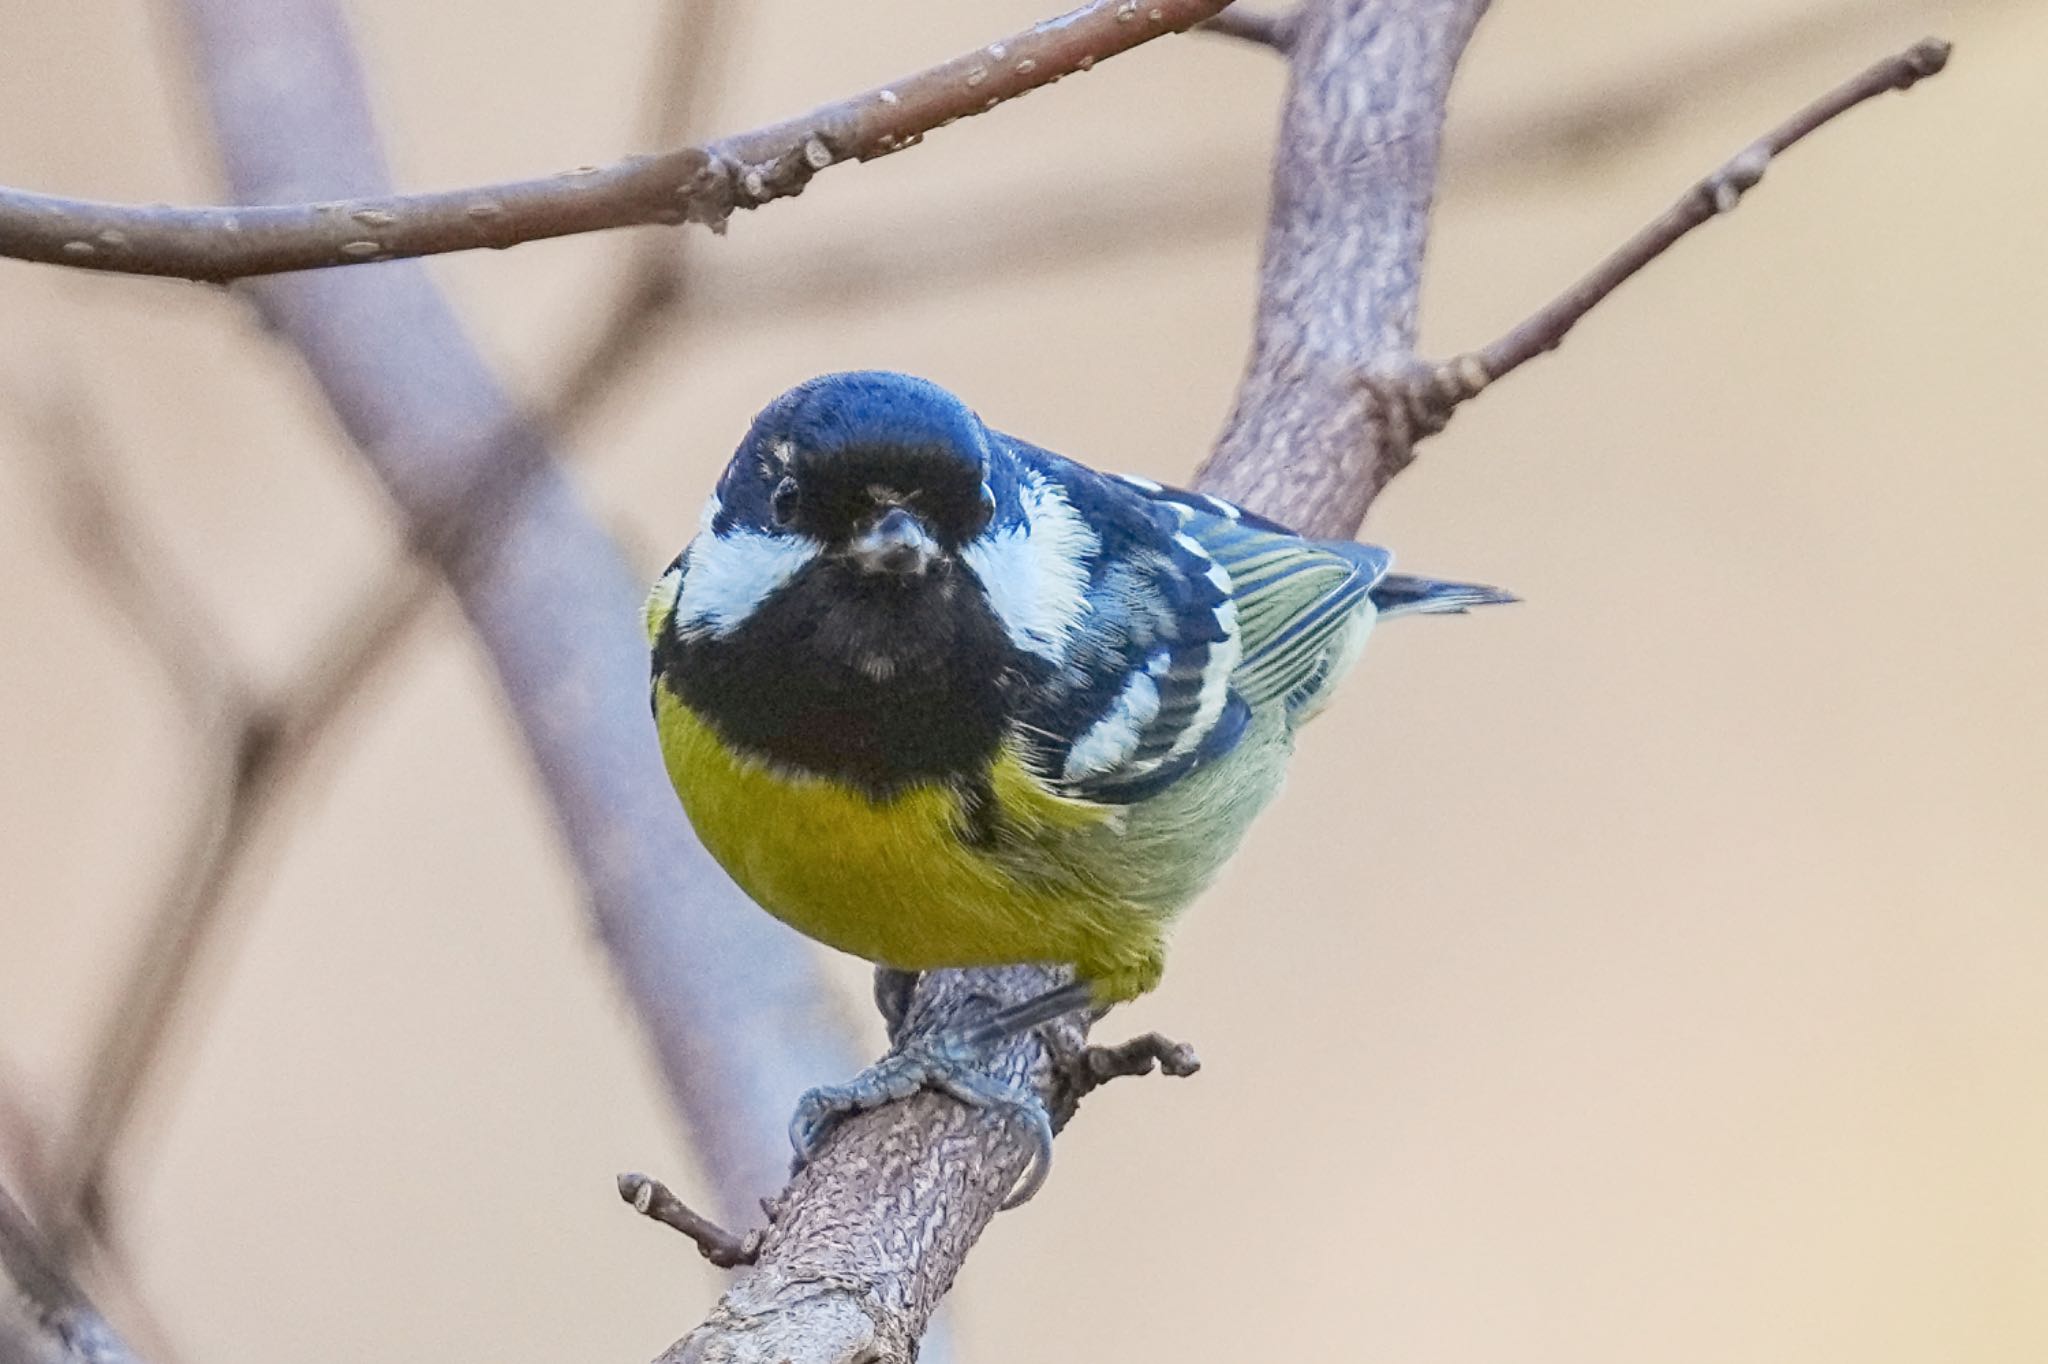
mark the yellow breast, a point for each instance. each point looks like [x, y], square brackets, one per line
[893, 881]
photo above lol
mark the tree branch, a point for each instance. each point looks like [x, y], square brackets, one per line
[1446, 385]
[655, 1201]
[867, 1238]
[1317, 429]
[705, 184]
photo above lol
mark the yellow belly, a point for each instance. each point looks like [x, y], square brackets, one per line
[893, 881]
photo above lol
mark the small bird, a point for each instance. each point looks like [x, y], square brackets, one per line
[937, 697]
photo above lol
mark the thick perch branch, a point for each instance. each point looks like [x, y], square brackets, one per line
[694, 184]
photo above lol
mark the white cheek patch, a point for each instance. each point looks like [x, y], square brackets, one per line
[1111, 740]
[726, 577]
[1036, 573]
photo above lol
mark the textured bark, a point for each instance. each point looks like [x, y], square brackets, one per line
[1321, 422]
[866, 1240]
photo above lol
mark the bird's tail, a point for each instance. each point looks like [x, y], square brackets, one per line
[1400, 595]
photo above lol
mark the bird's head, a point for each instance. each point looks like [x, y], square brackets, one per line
[885, 472]
[876, 481]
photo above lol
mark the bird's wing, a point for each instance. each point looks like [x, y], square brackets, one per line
[1134, 688]
[1193, 611]
[1294, 597]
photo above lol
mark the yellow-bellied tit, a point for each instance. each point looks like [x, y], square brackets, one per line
[937, 697]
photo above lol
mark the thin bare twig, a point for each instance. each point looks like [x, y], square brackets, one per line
[1095, 1066]
[653, 1199]
[142, 582]
[705, 184]
[1442, 387]
[137, 576]
[1028, 233]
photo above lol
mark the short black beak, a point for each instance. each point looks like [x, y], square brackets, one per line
[897, 543]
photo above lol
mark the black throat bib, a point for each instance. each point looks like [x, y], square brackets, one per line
[873, 680]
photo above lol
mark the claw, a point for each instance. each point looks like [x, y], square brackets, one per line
[946, 1063]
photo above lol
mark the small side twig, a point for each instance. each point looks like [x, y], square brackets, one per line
[653, 1199]
[1441, 387]
[1094, 1066]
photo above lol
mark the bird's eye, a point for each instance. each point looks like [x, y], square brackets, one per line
[782, 503]
[988, 504]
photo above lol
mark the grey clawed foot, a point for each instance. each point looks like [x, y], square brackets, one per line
[947, 1062]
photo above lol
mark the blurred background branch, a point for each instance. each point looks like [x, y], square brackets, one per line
[44, 1318]
[258, 745]
[537, 581]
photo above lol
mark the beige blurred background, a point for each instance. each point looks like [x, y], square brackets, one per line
[1649, 972]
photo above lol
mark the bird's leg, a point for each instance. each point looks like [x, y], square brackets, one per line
[948, 1061]
[1027, 1014]
[892, 998]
